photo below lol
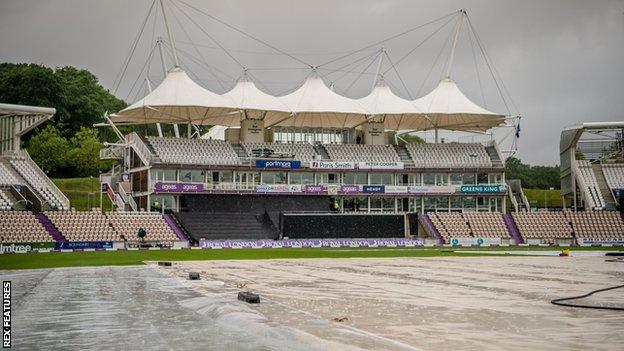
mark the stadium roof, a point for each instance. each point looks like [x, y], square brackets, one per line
[252, 103]
[396, 112]
[176, 100]
[315, 105]
[17, 120]
[446, 107]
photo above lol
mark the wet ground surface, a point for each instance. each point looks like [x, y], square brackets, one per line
[460, 303]
[136, 308]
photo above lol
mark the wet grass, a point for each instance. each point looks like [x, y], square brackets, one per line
[120, 258]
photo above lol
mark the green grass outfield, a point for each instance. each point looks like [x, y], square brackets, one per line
[120, 258]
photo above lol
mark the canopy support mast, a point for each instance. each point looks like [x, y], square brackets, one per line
[149, 88]
[449, 64]
[378, 74]
[176, 131]
[170, 35]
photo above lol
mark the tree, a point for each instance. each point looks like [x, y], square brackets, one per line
[85, 155]
[533, 177]
[77, 96]
[50, 151]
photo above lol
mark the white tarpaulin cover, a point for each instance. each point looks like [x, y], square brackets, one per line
[176, 100]
[446, 107]
[315, 105]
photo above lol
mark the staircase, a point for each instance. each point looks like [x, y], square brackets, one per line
[154, 158]
[431, 229]
[50, 228]
[494, 155]
[227, 226]
[320, 150]
[515, 191]
[240, 151]
[171, 222]
[407, 160]
[512, 228]
[604, 187]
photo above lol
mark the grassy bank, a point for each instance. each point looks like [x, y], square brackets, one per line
[83, 193]
[536, 197]
[120, 258]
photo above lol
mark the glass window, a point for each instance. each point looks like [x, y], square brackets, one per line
[416, 204]
[404, 179]
[328, 178]
[169, 175]
[429, 179]
[381, 178]
[456, 178]
[355, 204]
[456, 202]
[403, 204]
[482, 178]
[429, 204]
[442, 179]
[468, 178]
[226, 176]
[376, 204]
[442, 203]
[191, 176]
[355, 178]
[388, 204]
[301, 178]
[496, 178]
[469, 203]
[274, 178]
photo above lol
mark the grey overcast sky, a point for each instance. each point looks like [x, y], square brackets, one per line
[562, 61]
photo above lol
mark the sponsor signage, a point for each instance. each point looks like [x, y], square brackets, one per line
[482, 189]
[374, 189]
[380, 165]
[332, 165]
[304, 243]
[600, 241]
[349, 189]
[432, 189]
[24, 247]
[72, 245]
[315, 189]
[475, 241]
[161, 187]
[396, 189]
[278, 188]
[278, 164]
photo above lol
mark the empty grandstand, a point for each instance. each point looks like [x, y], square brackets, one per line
[194, 151]
[603, 224]
[543, 224]
[22, 227]
[449, 155]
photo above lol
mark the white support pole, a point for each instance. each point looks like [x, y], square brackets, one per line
[170, 35]
[149, 88]
[378, 77]
[176, 130]
[449, 64]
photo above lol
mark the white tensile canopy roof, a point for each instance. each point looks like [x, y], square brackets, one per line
[252, 103]
[446, 107]
[315, 105]
[396, 113]
[176, 100]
